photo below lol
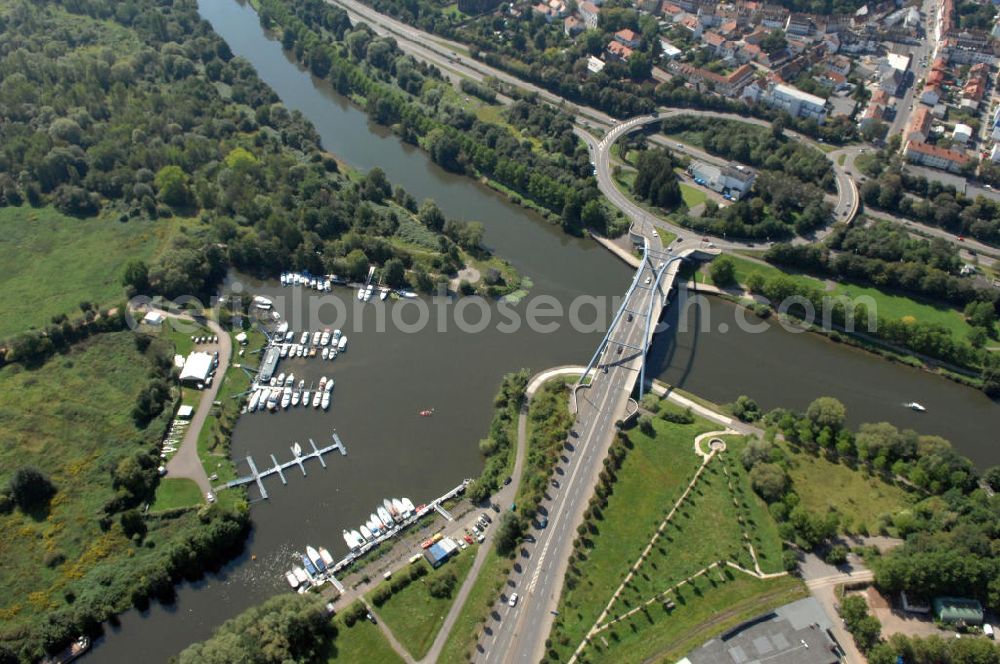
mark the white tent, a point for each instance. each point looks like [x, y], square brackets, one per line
[197, 367]
[153, 318]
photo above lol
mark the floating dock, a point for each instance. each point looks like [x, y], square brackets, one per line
[257, 476]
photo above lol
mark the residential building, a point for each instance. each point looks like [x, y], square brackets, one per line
[918, 152]
[726, 85]
[628, 38]
[668, 50]
[595, 65]
[796, 102]
[919, 126]
[672, 12]
[838, 64]
[962, 133]
[619, 51]
[572, 26]
[589, 12]
[799, 24]
[931, 94]
[995, 153]
[692, 25]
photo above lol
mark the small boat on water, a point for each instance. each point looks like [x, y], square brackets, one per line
[304, 339]
[272, 400]
[296, 397]
[326, 353]
[367, 534]
[284, 350]
[361, 294]
[286, 397]
[342, 344]
[368, 294]
[397, 506]
[322, 383]
[325, 555]
[407, 505]
[300, 351]
[254, 400]
[383, 514]
[316, 337]
[305, 398]
[324, 401]
[312, 352]
[289, 336]
[426, 413]
[374, 519]
[262, 303]
[71, 652]
[337, 334]
[317, 399]
[407, 294]
[292, 580]
[297, 450]
[350, 541]
[913, 405]
[300, 575]
[357, 537]
[333, 353]
[281, 378]
[316, 559]
[324, 339]
[387, 504]
[310, 568]
[289, 380]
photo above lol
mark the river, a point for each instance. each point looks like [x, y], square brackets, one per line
[385, 378]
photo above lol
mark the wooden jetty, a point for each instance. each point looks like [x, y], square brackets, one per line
[257, 476]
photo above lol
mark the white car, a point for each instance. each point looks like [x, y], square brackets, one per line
[513, 600]
[210, 497]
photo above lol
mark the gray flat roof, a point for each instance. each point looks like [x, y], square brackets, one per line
[795, 633]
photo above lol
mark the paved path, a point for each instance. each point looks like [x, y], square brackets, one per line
[503, 497]
[186, 463]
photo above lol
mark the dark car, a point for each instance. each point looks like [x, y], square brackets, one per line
[371, 617]
[507, 481]
[544, 521]
[487, 517]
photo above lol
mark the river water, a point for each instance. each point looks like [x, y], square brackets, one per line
[387, 377]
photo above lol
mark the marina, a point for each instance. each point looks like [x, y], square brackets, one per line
[299, 459]
[390, 519]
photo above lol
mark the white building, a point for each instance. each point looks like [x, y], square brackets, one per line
[197, 368]
[796, 102]
[734, 180]
[594, 65]
[153, 318]
[962, 133]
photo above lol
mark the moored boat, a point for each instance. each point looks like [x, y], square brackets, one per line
[317, 399]
[286, 397]
[350, 541]
[289, 380]
[324, 340]
[304, 339]
[329, 386]
[383, 514]
[326, 353]
[300, 575]
[284, 351]
[367, 534]
[254, 400]
[325, 401]
[325, 555]
[397, 505]
[374, 519]
[342, 344]
[913, 405]
[296, 397]
[383, 293]
[357, 537]
[310, 568]
[361, 294]
[407, 505]
[387, 504]
[316, 559]
[292, 580]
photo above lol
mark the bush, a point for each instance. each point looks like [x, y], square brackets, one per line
[30, 488]
[769, 481]
[443, 585]
[723, 271]
[837, 555]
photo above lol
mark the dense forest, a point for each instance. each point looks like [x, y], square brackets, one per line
[144, 115]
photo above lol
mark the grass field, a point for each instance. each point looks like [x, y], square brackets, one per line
[468, 625]
[705, 529]
[888, 305]
[362, 642]
[823, 485]
[176, 492]
[52, 262]
[692, 195]
[71, 417]
[414, 615]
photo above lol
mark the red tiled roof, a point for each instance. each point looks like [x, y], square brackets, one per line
[935, 151]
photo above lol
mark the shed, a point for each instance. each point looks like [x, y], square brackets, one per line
[439, 552]
[958, 609]
[185, 412]
[197, 368]
[153, 318]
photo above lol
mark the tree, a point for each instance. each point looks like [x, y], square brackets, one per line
[746, 409]
[171, 184]
[723, 271]
[593, 215]
[30, 488]
[430, 215]
[992, 477]
[509, 533]
[769, 481]
[826, 412]
[136, 276]
[646, 425]
[443, 585]
[357, 264]
[773, 41]
[394, 273]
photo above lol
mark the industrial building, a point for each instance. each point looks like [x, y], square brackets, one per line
[197, 368]
[438, 553]
[731, 180]
[797, 103]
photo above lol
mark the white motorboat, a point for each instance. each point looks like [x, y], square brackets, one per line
[325, 401]
[300, 574]
[296, 398]
[374, 518]
[325, 354]
[284, 350]
[305, 398]
[317, 399]
[337, 334]
[289, 380]
[297, 449]
[350, 541]
[286, 397]
[384, 515]
[368, 294]
[327, 285]
[367, 534]
[342, 344]
[300, 351]
[387, 504]
[397, 506]
[361, 294]
[304, 337]
[254, 400]
[289, 336]
[325, 555]
[316, 559]
[316, 337]
[407, 294]
[281, 378]
[333, 353]
[272, 400]
[292, 581]
[383, 293]
[913, 405]
[322, 383]
[329, 386]
[407, 505]
[324, 339]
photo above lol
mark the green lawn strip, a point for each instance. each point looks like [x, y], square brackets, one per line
[824, 485]
[702, 610]
[692, 195]
[485, 591]
[176, 492]
[72, 418]
[362, 642]
[888, 305]
[652, 477]
[53, 262]
[758, 523]
[414, 615]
